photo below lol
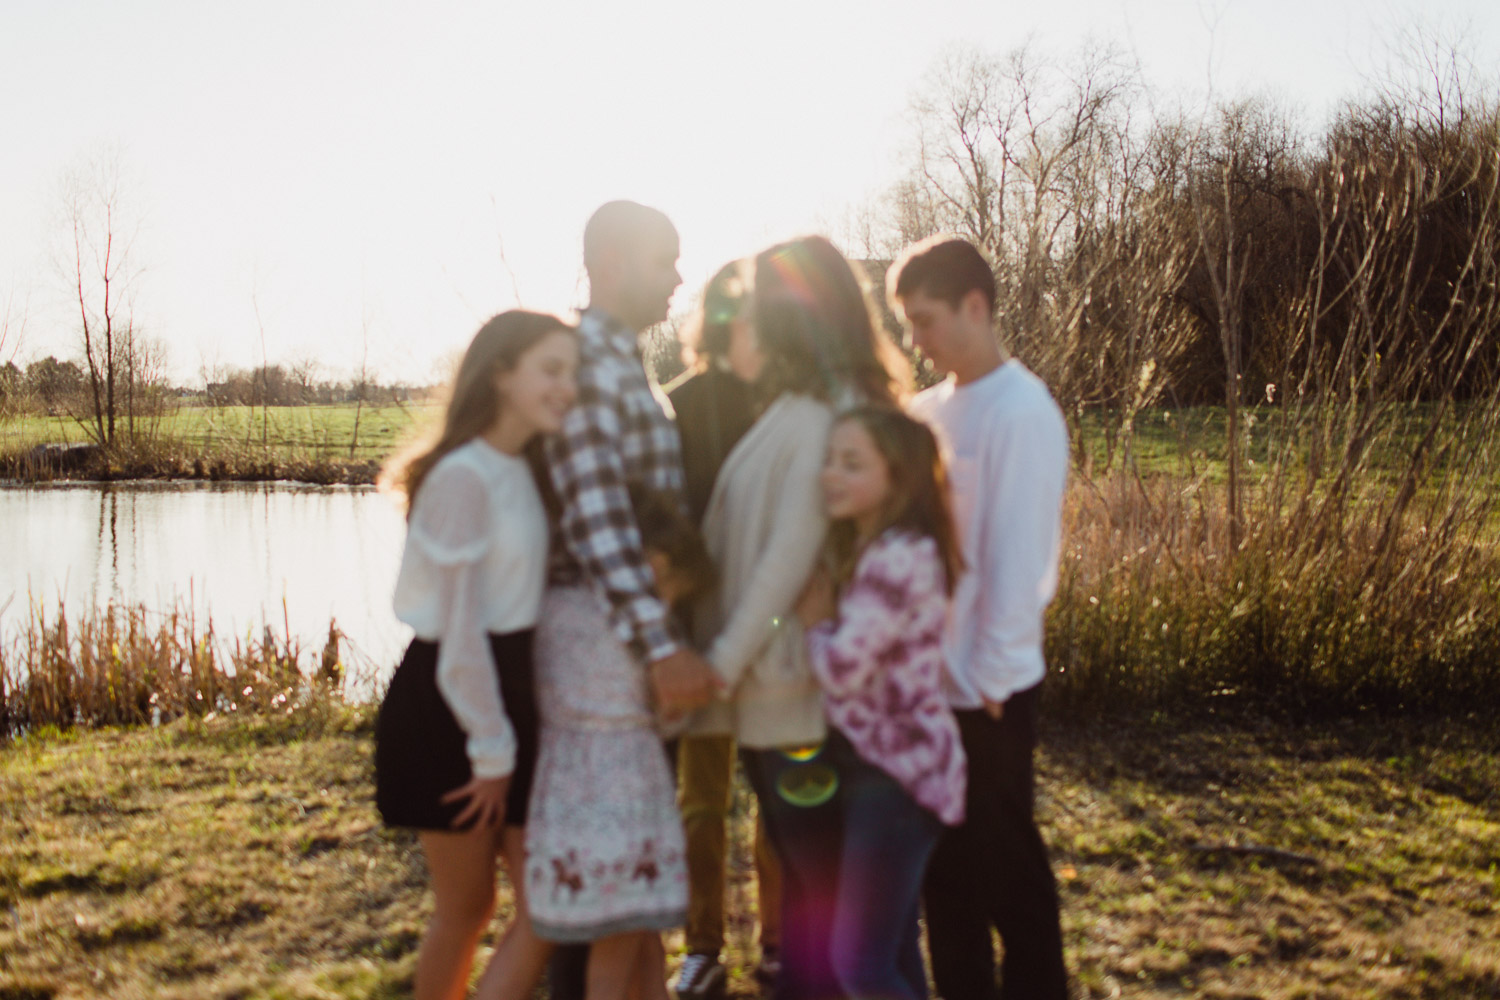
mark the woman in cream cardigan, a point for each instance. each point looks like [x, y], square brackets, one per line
[764, 527]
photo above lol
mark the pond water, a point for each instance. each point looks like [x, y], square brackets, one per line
[283, 555]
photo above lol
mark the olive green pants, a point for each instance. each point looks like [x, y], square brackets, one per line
[705, 789]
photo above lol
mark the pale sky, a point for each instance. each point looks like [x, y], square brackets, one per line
[354, 165]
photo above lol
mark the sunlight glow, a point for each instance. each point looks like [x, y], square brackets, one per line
[382, 178]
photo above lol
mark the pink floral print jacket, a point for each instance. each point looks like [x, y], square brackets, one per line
[880, 663]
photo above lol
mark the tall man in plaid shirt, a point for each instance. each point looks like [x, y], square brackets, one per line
[615, 438]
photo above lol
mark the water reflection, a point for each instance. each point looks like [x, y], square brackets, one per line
[282, 555]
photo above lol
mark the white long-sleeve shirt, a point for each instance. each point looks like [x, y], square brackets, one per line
[475, 562]
[1006, 446]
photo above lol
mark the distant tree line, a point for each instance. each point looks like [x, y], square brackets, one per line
[51, 387]
[63, 388]
[297, 385]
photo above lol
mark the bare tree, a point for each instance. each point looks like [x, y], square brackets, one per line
[303, 370]
[961, 119]
[13, 317]
[12, 330]
[510, 272]
[144, 367]
[362, 381]
[1042, 163]
[265, 365]
[100, 271]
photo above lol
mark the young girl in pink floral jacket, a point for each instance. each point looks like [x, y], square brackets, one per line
[877, 652]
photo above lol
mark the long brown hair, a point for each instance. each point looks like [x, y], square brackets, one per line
[474, 401]
[812, 318]
[918, 500]
[707, 330]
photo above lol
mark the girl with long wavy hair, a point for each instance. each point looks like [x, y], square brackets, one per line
[764, 526]
[456, 738]
[874, 620]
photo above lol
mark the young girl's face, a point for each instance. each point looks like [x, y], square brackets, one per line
[856, 479]
[540, 389]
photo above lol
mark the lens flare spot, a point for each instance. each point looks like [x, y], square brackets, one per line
[807, 785]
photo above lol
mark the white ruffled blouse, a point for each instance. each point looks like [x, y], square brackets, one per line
[475, 562]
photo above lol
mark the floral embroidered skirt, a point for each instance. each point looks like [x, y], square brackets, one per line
[604, 839]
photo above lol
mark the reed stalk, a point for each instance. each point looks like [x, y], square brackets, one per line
[127, 666]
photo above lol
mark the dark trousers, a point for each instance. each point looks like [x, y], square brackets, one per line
[567, 972]
[807, 839]
[993, 872]
[888, 837]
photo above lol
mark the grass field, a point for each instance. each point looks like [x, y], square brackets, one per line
[289, 430]
[1188, 442]
[242, 858]
[302, 443]
[1168, 441]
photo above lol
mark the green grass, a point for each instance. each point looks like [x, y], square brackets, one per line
[1187, 442]
[242, 858]
[1168, 441]
[289, 430]
[1278, 861]
[304, 443]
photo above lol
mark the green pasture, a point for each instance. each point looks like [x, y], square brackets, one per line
[1194, 441]
[1186, 442]
[303, 431]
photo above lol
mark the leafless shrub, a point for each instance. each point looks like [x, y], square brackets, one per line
[1338, 297]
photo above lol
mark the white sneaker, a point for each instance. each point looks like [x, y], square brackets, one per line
[700, 978]
[769, 968]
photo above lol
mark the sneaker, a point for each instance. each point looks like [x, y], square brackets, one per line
[769, 967]
[700, 978]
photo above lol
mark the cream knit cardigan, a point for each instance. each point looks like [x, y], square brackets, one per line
[764, 527]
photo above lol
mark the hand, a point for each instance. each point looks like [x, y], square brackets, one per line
[816, 603]
[486, 801]
[994, 709]
[682, 682]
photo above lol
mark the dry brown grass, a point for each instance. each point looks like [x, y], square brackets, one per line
[1319, 611]
[177, 459]
[124, 666]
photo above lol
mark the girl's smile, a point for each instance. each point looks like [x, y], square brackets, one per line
[537, 394]
[856, 480]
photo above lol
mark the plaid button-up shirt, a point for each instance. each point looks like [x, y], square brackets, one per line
[616, 437]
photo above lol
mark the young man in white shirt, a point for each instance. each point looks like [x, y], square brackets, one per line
[1007, 450]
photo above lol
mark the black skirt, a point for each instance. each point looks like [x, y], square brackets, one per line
[420, 751]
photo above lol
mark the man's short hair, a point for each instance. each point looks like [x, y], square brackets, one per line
[941, 267]
[617, 224]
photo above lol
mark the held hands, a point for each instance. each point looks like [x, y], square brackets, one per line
[486, 801]
[682, 682]
[816, 603]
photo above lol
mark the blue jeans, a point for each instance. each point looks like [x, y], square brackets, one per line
[888, 838]
[807, 834]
